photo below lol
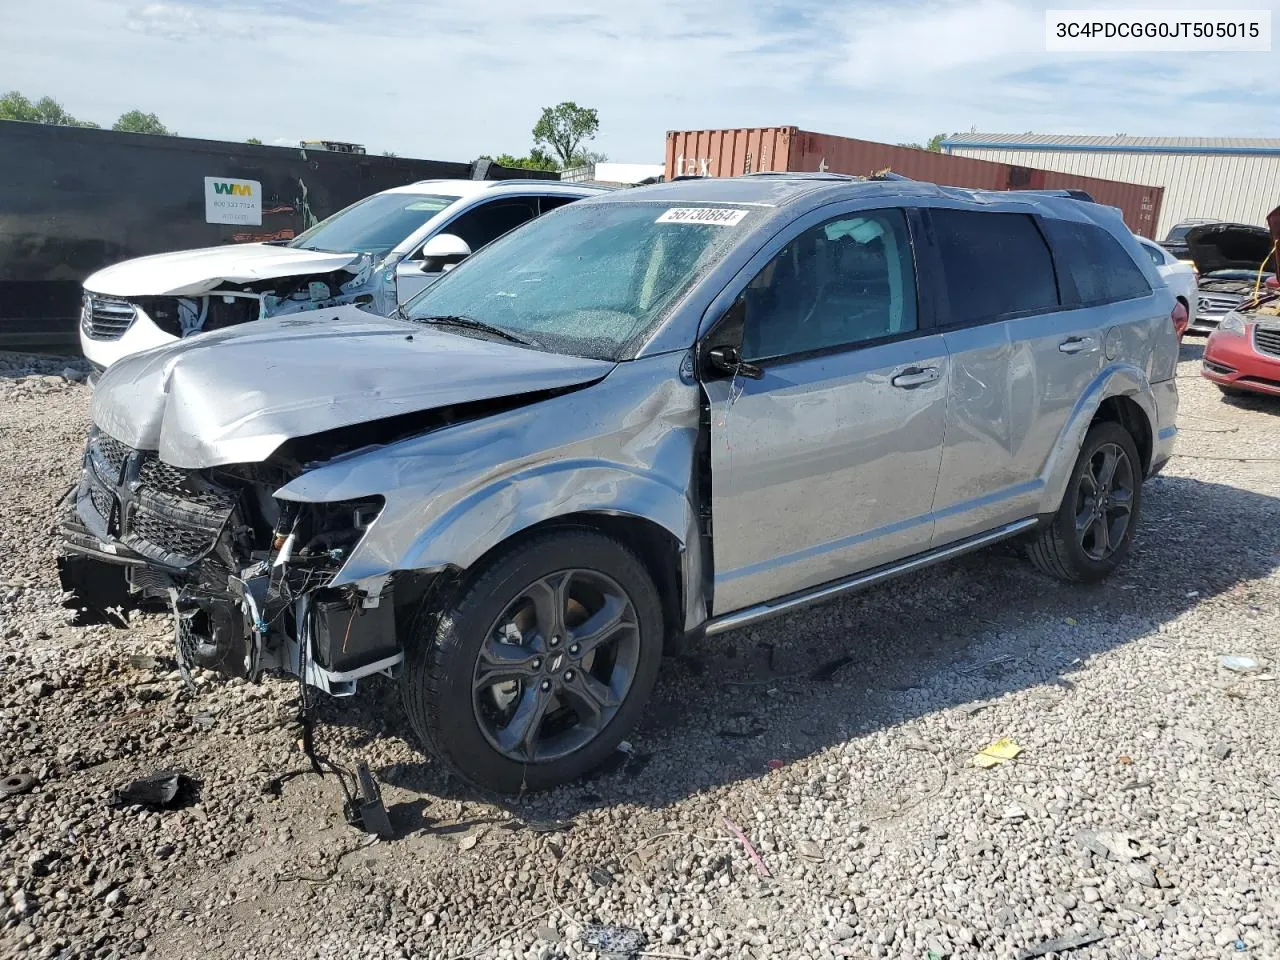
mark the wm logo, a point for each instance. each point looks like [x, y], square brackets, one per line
[233, 189]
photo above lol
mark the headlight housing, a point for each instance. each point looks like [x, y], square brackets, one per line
[1233, 324]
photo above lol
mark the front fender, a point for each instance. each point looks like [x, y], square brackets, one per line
[622, 447]
[1116, 380]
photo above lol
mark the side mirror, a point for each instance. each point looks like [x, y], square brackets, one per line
[443, 252]
[728, 361]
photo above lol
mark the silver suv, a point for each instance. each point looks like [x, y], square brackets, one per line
[651, 415]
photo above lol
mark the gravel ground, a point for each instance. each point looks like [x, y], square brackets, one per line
[1143, 810]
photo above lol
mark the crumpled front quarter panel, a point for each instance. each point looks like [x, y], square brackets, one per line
[623, 446]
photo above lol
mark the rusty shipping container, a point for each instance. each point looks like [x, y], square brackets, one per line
[732, 152]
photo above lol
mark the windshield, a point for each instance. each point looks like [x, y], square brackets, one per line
[591, 280]
[1180, 232]
[373, 225]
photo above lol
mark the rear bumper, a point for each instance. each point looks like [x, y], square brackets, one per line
[1231, 360]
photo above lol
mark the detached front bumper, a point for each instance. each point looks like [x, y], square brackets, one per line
[1244, 361]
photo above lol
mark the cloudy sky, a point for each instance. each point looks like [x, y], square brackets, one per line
[453, 80]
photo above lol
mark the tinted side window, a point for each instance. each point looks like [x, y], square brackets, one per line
[1156, 256]
[1094, 264]
[486, 223]
[547, 204]
[994, 265]
[846, 281]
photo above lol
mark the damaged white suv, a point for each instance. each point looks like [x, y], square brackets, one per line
[377, 253]
[663, 412]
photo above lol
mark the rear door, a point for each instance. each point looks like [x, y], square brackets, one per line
[824, 461]
[1021, 359]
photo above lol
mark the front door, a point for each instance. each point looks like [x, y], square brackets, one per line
[826, 464]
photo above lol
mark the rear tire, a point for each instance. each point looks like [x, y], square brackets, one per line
[1092, 531]
[540, 663]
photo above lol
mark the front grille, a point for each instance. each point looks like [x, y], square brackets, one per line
[172, 516]
[1267, 341]
[108, 455]
[103, 318]
[1214, 306]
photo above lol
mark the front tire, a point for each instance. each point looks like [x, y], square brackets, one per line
[540, 665]
[1092, 531]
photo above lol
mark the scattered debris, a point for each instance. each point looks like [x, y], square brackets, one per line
[1124, 760]
[1141, 874]
[1191, 737]
[1071, 622]
[756, 859]
[1071, 941]
[810, 850]
[163, 790]
[470, 840]
[829, 669]
[749, 731]
[1238, 664]
[366, 811]
[549, 934]
[996, 754]
[775, 764]
[204, 721]
[16, 783]
[1222, 751]
[1113, 844]
[600, 877]
[1014, 812]
[609, 939]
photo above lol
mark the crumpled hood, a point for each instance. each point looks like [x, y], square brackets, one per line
[235, 395]
[1229, 246]
[194, 272]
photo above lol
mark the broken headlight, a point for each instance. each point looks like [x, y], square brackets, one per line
[307, 533]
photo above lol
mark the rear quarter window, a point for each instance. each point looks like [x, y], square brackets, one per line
[994, 265]
[1093, 265]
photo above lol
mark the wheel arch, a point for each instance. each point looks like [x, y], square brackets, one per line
[1122, 394]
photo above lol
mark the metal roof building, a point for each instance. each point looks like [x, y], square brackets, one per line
[1223, 178]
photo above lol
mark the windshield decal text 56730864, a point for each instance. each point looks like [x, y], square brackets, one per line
[719, 216]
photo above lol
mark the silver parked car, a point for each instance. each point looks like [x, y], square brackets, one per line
[647, 416]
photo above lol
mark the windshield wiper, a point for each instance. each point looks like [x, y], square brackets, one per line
[470, 323]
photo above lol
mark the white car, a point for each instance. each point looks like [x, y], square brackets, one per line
[1179, 275]
[377, 253]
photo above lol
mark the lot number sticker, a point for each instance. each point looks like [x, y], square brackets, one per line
[232, 201]
[718, 216]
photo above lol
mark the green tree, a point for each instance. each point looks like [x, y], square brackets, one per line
[135, 121]
[15, 106]
[537, 159]
[254, 140]
[933, 146]
[564, 128]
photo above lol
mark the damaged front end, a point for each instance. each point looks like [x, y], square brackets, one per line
[245, 575]
[367, 283]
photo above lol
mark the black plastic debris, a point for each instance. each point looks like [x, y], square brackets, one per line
[164, 790]
[611, 940]
[829, 669]
[600, 877]
[1071, 941]
[365, 811]
[16, 783]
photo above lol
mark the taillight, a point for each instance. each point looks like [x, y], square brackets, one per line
[1180, 319]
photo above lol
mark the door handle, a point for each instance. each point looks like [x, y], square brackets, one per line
[1076, 344]
[915, 377]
